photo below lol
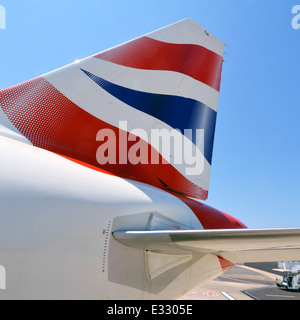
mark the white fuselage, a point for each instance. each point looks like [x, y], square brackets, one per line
[55, 232]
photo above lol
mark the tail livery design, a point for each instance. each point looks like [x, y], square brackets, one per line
[166, 83]
[99, 164]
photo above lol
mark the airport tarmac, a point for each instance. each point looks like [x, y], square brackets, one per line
[244, 282]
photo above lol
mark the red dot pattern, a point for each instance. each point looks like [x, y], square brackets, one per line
[39, 111]
[51, 121]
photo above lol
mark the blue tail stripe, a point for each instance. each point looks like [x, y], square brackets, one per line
[178, 112]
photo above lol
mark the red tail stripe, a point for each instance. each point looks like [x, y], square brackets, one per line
[146, 53]
[211, 218]
[53, 122]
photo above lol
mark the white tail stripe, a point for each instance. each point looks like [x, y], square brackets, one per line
[189, 31]
[77, 87]
[160, 82]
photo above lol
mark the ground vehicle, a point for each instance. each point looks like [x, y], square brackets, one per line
[291, 275]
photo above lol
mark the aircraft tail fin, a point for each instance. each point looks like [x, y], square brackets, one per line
[144, 110]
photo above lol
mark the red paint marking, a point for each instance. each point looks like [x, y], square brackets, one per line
[149, 54]
[211, 294]
[225, 264]
[52, 122]
[211, 218]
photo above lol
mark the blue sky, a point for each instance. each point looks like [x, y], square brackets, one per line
[256, 162]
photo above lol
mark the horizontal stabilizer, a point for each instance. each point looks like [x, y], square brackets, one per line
[236, 245]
